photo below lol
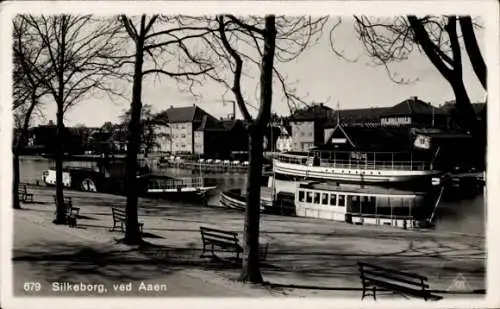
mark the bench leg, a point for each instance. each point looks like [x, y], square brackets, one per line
[374, 293]
[114, 226]
[364, 292]
[213, 253]
[204, 250]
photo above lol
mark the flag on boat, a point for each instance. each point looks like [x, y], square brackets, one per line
[422, 141]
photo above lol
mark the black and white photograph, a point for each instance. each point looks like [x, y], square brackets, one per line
[237, 153]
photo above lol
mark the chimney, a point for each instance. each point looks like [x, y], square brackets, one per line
[414, 98]
[171, 106]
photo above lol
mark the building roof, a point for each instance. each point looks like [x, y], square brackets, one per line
[413, 106]
[316, 111]
[210, 123]
[353, 116]
[183, 114]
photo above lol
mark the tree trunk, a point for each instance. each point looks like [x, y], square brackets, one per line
[15, 181]
[59, 154]
[251, 266]
[466, 116]
[132, 233]
[21, 142]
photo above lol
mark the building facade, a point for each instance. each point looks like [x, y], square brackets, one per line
[307, 126]
[182, 123]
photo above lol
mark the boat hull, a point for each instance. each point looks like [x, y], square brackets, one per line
[351, 174]
[232, 199]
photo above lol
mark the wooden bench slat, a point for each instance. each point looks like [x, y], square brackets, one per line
[120, 216]
[397, 281]
[365, 265]
[403, 289]
[374, 275]
[219, 231]
[222, 239]
[220, 236]
[23, 193]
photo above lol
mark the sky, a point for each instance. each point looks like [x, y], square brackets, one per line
[318, 74]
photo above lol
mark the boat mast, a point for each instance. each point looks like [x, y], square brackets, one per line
[436, 205]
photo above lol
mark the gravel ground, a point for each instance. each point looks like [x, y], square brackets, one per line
[307, 257]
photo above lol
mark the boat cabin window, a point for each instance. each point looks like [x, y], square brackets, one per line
[301, 196]
[341, 200]
[333, 199]
[309, 197]
[316, 197]
[324, 199]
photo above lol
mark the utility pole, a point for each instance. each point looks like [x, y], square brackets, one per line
[338, 112]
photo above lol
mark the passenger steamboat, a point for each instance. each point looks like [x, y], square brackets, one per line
[367, 205]
[350, 166]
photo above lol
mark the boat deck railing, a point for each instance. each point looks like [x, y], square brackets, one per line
[184, 182]
[357, 164]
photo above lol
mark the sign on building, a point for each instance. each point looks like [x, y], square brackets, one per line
[395, 121]
[423, 142]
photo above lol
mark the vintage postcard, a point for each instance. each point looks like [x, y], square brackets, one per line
[223, 154]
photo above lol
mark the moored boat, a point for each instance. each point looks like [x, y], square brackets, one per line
[359, 167]
[236, 200]
[178, 187]
[366, 205]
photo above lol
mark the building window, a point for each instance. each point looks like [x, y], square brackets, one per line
[316, 197]
[333, 199]
[309, 197]
[341, 201]
[301, 196]
[324, 199]
[183, 145]
[183, 135]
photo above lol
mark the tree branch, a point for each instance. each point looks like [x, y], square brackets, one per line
[422, 38]
[246, 26]
[237, 74]
[472, 48]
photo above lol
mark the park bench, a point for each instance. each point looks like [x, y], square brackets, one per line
[403, 283]
[120, 217]
[68, 203]
[23, 193]
[226, 240]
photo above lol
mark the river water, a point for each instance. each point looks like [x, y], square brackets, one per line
[463, 216]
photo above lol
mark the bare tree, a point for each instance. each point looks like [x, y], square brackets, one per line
[159, 49]
[262, 43]
[75, 62]
[27, 92]
[391, 40]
